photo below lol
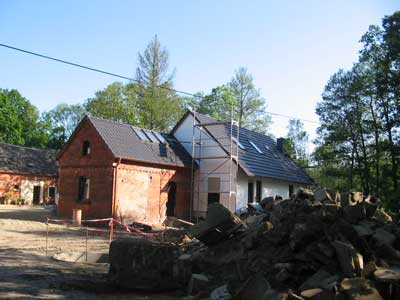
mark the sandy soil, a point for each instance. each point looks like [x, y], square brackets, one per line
[26, 272]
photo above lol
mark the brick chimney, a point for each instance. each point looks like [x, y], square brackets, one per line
[279, 144]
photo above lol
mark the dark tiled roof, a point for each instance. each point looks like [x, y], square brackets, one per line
[270, 164]
[124, 143]
[17, 159]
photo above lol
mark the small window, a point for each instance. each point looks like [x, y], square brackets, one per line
[250, 192]
[52, 192]
[159, 137]
[86, 148]
[291, 190]
[258, 191]
[238, 143]
[255, 147]
[141, 135]
[214, 188]
[84, 188]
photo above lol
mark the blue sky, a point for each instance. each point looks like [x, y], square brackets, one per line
[290, 47]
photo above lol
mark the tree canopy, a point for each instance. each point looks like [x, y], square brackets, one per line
[358, 143]
[19, 121]
[239, 99]
[296, 142]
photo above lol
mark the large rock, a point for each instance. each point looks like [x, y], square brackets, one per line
[359, 289]
[350, 260]
[219, 224]
[254, 288]
[142, 264]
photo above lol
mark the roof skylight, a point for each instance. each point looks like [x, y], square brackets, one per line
[151, 136]
[238, 143]
[159, 137]
[255, 147]
[141, 134]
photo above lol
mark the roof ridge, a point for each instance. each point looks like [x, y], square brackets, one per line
[122, 123]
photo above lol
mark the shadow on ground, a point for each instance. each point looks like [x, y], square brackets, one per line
[27, 276]
[27, 213]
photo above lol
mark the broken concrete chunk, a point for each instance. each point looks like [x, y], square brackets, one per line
[300, 235]
[177, 223]
[311, 293]
[142, 264]
[282, 275]
[219, 224]
[349, 259]
[330, 211]
[382, 236]
[369, 268]
[314, 280]
[371, 205]
[273, 295]
[355, 213]
[381, 216]
[329, 283]
[358, 261]
[198, 283]
[254, 288]
[221, 293]
[317, 294]
[359, 289]
[303, 194]
[363, 230]
[293, 296]
[351, 198]
[322, 195]
[387, 275]
[185, 257]
[388, 252]
[326, 249]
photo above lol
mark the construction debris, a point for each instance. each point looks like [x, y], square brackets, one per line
[142, 264]
[316, 245]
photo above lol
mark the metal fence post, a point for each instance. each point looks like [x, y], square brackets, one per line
[87, 235]
[47, 233]
[111, 230]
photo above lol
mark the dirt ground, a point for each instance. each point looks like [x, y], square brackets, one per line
[26, 272]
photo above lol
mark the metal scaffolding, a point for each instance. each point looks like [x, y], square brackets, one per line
[230, 148]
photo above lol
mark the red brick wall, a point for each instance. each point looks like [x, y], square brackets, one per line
[142, 191]
[9, 180]
[97, 166]
[100, 192]
[141, 188]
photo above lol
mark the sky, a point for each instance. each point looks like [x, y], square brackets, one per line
[290, 47]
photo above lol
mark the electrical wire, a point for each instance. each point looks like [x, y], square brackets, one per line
[134, 80]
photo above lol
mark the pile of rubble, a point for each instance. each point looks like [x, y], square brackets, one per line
[316, 245]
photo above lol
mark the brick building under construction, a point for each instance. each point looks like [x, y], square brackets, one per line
[113, 169]
[133, 174]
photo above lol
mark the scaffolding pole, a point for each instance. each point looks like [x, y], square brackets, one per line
[232, 154]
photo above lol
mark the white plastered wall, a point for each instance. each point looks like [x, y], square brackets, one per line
[269, 188]
[27, 190]
[220, 168]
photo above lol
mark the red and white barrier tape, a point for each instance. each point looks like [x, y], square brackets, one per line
[112, 221]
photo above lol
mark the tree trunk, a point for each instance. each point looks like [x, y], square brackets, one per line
[377, 148]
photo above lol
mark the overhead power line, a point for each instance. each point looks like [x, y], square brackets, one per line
[131, 79]
[91, 69]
